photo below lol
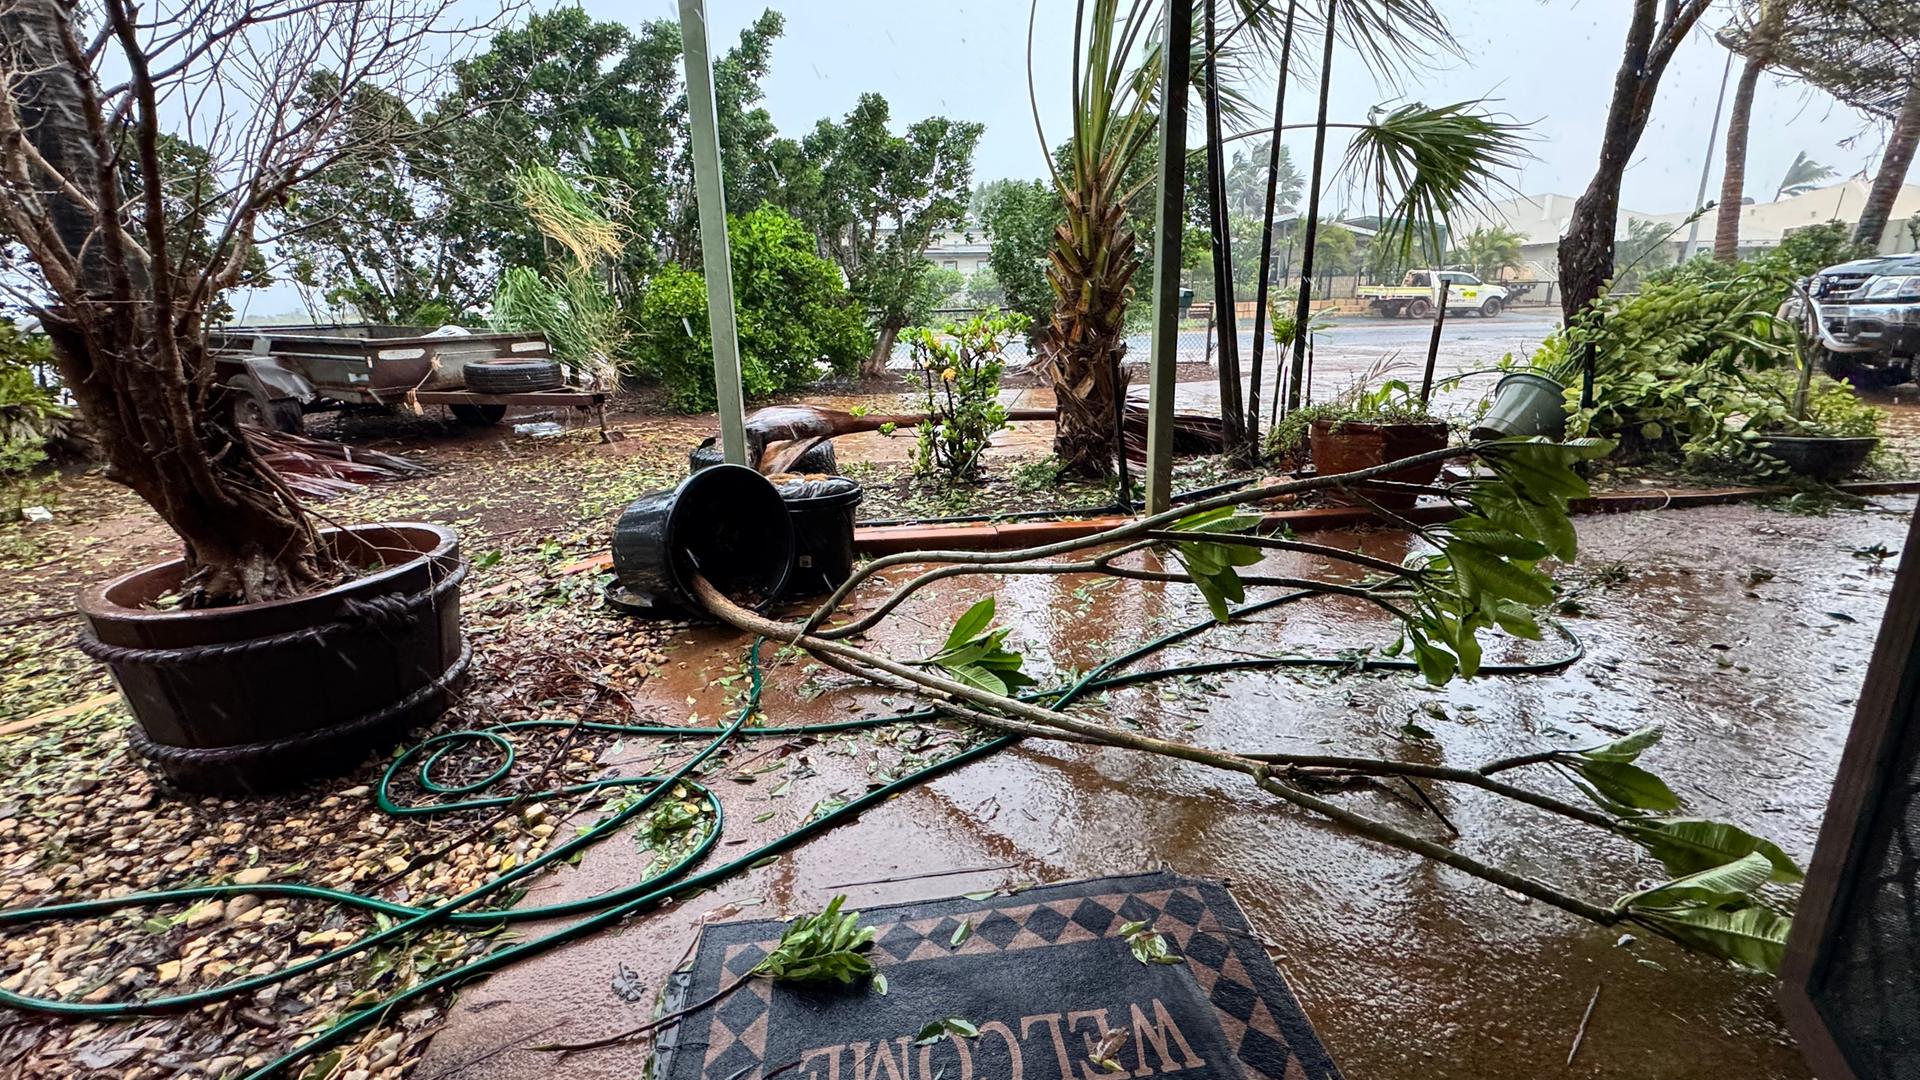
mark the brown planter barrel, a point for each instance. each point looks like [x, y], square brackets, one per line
[1342, 446]
[250, 699]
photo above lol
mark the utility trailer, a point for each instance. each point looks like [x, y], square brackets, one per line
[277, 374]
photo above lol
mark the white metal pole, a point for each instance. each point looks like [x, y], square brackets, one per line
[710, 193]
[1706, 167]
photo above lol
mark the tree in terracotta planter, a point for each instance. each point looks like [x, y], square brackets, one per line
[139, 150]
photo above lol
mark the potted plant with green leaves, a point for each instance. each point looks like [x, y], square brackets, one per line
[1810, 422]
[271, 649]
[1373, 422]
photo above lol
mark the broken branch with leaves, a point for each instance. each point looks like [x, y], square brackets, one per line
[1483, 573]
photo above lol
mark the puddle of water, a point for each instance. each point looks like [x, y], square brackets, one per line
[1408, 969]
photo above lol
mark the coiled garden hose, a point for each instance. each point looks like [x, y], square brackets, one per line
[608, 908]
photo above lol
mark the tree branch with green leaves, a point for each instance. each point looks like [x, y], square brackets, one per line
[1484, 572]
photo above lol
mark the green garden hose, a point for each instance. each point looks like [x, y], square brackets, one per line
[607, 908]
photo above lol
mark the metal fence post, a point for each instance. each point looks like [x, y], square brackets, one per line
[1168, 229]
[715, 252]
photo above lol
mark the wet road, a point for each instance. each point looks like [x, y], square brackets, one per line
[1745, 632]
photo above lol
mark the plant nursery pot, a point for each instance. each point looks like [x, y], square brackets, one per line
[726, 522]
[1819, 457]
[1342, 446]
[1525, 404]
[257, 697]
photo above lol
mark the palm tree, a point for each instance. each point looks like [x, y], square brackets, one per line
[1803, 176]
[1757, 40]
[1247, 180]
[1862, 52]
[1489, 251]
[1422, 162]
[1894, 163]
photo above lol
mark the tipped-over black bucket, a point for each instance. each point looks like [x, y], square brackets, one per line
[726, 523]
[822, 513]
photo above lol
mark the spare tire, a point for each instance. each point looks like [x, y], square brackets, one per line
[512, 376]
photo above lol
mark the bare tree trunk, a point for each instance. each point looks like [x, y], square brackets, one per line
[1586, 251]
[1893, 170]
[137, 365]
[1733, 182]
[875, 365]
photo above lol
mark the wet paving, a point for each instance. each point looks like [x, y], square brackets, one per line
[1744, 631]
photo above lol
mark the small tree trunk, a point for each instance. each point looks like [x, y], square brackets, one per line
[1893, 170]
[1586, 251]
[875, 365]
[1733, 182]
[137, 367]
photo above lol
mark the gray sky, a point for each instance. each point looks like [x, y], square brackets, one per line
[1550, 62]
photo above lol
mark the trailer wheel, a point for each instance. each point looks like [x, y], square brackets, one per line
[252, 406]
[512, 376]
[478, 415]
[1418, 309]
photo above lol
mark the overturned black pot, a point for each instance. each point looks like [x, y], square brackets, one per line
[725, 523]
[1819, 457]
[256, 697]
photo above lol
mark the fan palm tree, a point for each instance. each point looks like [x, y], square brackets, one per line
[1422, 161]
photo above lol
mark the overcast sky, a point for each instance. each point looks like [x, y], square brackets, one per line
[1547, 62]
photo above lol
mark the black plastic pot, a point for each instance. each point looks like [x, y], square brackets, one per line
[819, 459]
[1819, 457]
[726, 523]
[822, 515]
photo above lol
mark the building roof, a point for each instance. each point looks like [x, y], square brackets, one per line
[1542, 219]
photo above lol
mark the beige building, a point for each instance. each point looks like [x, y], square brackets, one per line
[1542, 219]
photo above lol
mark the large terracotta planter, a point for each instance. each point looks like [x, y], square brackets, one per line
[1342, 446]
[249, 699]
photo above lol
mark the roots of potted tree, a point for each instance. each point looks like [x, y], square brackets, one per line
[1342, 446]
[252, 698]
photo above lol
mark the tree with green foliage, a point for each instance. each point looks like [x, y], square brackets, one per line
[1488, 251]
[1646, 247]
[1247, 181]
[603, 104]
[795, 316]
[1336, 249]
[877, 200]
[1019, 218]
[379, 232]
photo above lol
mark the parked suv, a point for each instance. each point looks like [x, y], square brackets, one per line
[1866, 314]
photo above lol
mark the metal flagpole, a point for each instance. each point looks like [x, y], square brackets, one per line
[711, 196]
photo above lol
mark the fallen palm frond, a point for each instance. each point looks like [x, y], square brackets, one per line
[324, 469]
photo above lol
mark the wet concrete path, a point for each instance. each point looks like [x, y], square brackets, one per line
[1744, 631]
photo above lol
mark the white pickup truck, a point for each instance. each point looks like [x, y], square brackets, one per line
[1419, 293]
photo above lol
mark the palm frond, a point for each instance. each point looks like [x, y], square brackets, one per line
[1424, 164]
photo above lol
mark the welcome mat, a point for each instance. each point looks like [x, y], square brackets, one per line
[1044, 975]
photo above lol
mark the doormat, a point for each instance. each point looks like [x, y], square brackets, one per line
[1043, 975]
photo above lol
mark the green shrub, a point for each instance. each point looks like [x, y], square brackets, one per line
[28, 411]
[1697, 364]
[793, 312]
[959, 367]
